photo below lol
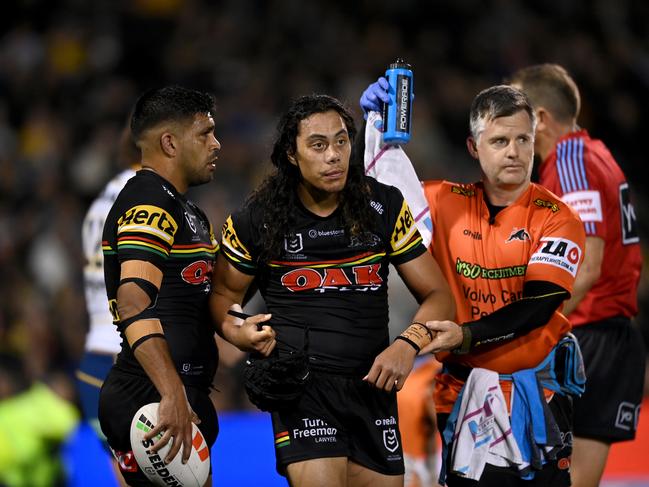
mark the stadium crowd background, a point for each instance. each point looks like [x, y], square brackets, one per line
[71, 70]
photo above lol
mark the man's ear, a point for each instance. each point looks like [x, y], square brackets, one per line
[472, 147]
[291, 158]
[168, 144]
[542, 119]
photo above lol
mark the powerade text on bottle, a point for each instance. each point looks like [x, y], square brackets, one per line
[397, 113]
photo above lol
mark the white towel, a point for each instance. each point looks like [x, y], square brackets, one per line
[483, 432]
[390, 165]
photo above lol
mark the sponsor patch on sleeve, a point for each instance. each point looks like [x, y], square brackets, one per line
[404, 229]
[232, 246]
[558, 252]
[588, 204]
[148, 219]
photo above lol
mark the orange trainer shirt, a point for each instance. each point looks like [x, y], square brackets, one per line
[486, 263]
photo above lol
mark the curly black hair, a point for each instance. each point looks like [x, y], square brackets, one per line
[277, 194]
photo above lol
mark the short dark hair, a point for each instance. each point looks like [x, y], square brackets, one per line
[289, 124]
[495, 102]
[168, 104]
[550, 86]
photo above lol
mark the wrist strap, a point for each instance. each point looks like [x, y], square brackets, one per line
[409, 342]
[417, 334]
[428, 332]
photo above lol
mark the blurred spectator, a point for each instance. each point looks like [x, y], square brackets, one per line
[35, 419]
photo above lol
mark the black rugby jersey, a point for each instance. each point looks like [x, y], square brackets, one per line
[335, 287]
[151, 221]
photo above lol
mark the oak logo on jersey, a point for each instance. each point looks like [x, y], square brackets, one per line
[403, 227]
[462, 190]
[546, 204]
[199, 272]
[148, 219]
[518, 234]
[558, 252]
[474, 271]
[361, 277]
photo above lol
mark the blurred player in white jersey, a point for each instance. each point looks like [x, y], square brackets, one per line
[103, 340]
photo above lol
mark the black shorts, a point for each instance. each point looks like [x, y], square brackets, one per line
[614, 357]
[340, 416]
[555, 473]
[121, 396]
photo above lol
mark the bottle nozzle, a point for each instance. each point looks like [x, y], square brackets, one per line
[399, 64]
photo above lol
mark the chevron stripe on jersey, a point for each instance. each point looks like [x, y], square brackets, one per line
[572, 171]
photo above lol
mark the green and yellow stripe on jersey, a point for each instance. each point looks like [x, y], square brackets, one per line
[195, 250]
[141, 243]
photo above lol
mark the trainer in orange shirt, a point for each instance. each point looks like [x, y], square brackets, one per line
[510, 250]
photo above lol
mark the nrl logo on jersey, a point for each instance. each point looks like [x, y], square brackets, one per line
[390, 440]
[520, 235]
[191, 221]
[293, 243]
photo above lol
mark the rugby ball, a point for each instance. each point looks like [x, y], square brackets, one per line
[192, 474]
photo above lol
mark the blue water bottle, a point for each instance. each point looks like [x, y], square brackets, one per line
[397, 113]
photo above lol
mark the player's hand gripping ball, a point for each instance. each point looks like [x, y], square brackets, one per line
[192, 474]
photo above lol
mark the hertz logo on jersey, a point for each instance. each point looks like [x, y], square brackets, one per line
[404, 227]
[546, 204]
[148, 219]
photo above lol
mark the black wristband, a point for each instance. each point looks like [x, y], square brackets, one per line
[410, 342]
[144, 338]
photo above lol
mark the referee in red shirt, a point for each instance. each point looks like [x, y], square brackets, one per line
[582, 171]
